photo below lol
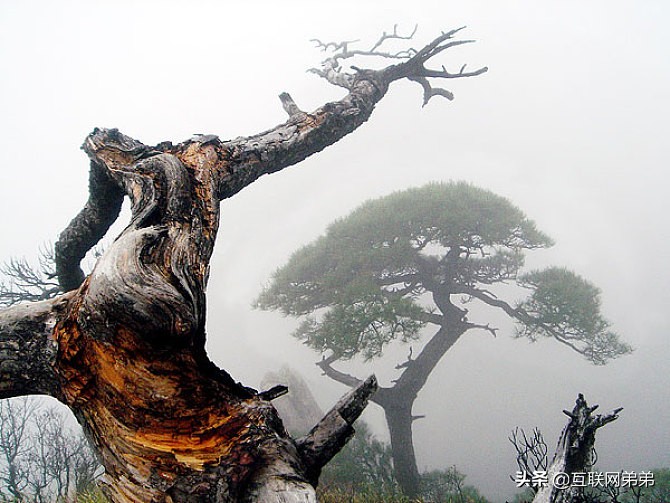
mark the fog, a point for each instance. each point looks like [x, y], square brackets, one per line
[570, 123]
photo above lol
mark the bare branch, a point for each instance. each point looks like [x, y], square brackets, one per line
[413, 65]
[88, 227]
[27, 283]
[331, 68]
[414, 68]
[336, 375]
[406, 363]
[531, 452]
[394, 35]
[493, 331]
[289, 105]
[429, 91]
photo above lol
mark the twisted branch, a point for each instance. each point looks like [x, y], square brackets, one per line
[412, 68]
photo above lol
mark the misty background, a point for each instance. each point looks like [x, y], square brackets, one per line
[570, 123]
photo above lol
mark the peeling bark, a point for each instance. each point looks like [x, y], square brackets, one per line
[125, 347]
[27, 348]
[574, 453]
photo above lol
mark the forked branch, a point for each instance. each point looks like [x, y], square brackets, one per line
[531, 451]
[234, 164]
[342, 50]
[412, 67]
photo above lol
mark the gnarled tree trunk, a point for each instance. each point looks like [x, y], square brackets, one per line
[124, 348]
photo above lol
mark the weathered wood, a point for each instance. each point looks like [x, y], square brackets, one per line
[574, 453]
[27, 348]
[88, 227]
[333, 431]
[125, 347]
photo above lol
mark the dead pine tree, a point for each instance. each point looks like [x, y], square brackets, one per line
[124, 347]
[574, 456]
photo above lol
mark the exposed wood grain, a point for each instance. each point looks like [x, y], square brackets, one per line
[125, 347]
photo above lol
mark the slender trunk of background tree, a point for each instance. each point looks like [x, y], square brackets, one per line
[399, 421]
[398, 400]
[398, 403]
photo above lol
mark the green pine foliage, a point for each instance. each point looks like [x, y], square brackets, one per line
[91, 495]
[364, 282]
[566, 306]
[363, 465]
[447, 486]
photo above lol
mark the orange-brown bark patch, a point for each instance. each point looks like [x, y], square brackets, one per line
[157, 412]
[312, 121]
[202, 161]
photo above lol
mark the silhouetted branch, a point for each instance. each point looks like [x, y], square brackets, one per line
[27, 283]
[579, 342]
[336, 375]
[493, 331]
[407, 362]
[412, 68]
[531, 452]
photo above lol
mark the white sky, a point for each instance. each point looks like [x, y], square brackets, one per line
[570, 123]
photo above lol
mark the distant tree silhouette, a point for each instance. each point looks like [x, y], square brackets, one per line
[415, 258]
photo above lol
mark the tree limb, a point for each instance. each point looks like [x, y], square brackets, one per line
[336, 375]
[28, 349]
[492, 330]
[331, 68]
[413, 66]
[429, 317]
[407, 362]
[27, 283]
[246, 159]
[305, 134]
[531, 452]
[333, 431]
[527, 320]
[236, 163]
[88, 227]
